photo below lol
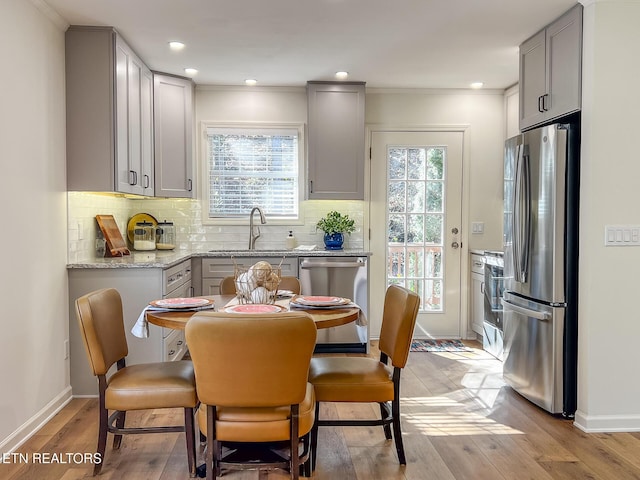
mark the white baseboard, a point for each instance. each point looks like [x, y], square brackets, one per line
[35, 423]
[606, 423]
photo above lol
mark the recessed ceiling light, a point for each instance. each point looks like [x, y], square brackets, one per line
[250, 81]
[476, 85]
[176, 45]
[342, 75]
[190, 71]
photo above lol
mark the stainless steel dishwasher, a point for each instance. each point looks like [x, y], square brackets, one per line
[342, 277]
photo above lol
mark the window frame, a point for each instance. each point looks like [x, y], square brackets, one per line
[204, 171]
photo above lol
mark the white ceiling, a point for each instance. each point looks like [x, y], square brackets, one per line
[386, 43]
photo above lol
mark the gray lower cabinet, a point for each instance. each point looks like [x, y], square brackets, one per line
[173, 120]
[137, 286]
[477, 293]
[214, 269]
[109, 94]
[336, 140]
[551, 71]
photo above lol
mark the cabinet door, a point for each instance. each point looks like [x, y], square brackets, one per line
[173, 108]
[146, 132]
[127, 169]
[564, 72]
[134, 147]
[336, 141]
[477, 302]
[532, 80]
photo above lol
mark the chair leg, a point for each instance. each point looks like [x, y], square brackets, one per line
[384, 413]
[314, 439]
[189, 431]
[212, 444]
[397, 432]
[102, 437]
[294, 444]
[117, 438]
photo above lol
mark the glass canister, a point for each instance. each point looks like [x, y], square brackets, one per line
[144, 236]
[165, 236]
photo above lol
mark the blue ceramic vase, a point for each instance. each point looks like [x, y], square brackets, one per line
[333, 241]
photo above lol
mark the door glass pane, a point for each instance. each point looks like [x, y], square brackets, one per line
[415, 199]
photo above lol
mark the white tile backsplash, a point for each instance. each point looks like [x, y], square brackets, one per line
[191, 234]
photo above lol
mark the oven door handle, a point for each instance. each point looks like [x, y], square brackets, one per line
[309, 264]
[544, 316]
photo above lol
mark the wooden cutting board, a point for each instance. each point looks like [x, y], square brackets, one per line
[116, 246]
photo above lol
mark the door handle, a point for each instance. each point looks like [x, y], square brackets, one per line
[525, 311]
[455, 245]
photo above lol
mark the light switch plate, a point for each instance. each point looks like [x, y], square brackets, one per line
[621, 235]
[477, 227]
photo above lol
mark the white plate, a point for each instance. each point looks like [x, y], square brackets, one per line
[181, 302]
[285, 293]
[320, 300]
[254, 308]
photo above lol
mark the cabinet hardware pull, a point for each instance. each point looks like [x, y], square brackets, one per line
[310, 186]
[482, 288]
[172, 352]
[146, 181]
[179, 342]
[545, 107]
[189, 185]
[540, 104]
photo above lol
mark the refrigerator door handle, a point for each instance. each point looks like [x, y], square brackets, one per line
[522, 215]
[545, 316]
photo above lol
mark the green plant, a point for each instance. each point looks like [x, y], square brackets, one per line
[335, 222]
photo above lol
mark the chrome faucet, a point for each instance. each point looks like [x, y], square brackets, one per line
[254, 232]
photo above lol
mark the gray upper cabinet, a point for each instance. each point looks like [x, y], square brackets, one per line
[109, 93]
[550, 71]
[173, 110]
[336, 140]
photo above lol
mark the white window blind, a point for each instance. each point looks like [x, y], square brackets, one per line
[250, 167]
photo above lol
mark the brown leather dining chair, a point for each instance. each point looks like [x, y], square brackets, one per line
[146, 386]
[287, 282]
[365, 379]
[251, 377]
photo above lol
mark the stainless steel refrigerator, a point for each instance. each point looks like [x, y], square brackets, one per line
[541, 193]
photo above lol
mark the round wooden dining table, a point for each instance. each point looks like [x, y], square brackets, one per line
[324, 318]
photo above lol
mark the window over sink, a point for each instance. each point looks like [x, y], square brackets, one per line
[251, 165]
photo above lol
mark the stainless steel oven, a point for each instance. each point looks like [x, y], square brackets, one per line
[493, 336]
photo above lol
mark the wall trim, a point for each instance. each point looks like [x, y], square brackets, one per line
[36, 422]
[606, 423]
[51, 14]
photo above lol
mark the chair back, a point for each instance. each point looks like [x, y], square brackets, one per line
[228, 286]
[290, 283]
[398, 321]
[251, 360]
[99, 315]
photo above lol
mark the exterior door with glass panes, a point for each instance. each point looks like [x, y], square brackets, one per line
[415, 219]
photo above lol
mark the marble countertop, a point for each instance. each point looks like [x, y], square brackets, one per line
[166, 259]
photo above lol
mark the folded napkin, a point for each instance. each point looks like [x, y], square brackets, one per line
[141, 327]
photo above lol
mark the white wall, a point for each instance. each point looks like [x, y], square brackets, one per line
[609, 324]
[32, 160]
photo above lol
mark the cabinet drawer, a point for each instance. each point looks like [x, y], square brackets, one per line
[175, 276]
[173, 346]
[477, 263]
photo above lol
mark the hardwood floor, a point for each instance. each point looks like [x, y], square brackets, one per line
[459, 419]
